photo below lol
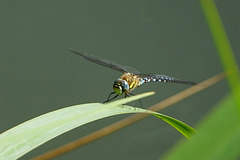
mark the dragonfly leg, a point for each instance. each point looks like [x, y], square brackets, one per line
[128, 95]
[109, 99]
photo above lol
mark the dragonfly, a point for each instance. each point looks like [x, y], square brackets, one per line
[131, 77]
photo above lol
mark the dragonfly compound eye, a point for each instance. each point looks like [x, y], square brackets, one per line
[120, 86]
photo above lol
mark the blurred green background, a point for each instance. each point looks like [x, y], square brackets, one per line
[39, 75]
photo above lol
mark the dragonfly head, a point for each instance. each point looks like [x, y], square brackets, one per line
[120, 86]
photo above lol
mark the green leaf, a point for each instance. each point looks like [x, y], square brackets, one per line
[218, 137]
[23, 138]
[186, 130]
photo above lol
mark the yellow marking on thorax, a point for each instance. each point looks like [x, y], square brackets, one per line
[131, 79]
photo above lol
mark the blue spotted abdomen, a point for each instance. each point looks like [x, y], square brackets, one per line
[162, 78]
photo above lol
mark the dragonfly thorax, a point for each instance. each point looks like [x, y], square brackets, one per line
[120, 86]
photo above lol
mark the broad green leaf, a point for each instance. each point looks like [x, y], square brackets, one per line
[218, 136]
[23, 138]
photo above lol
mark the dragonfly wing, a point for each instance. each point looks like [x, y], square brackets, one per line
[105, 62]
[162, 78]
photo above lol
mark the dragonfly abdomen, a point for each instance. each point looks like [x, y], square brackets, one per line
[158, 78]
[163, 78]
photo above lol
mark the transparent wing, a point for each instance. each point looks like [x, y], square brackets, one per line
[162, 78]
[105, 62]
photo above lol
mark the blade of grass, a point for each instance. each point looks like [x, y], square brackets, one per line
[180, 126]
[24, 137]
[223, 46]
[129, 120]
[21, 139]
